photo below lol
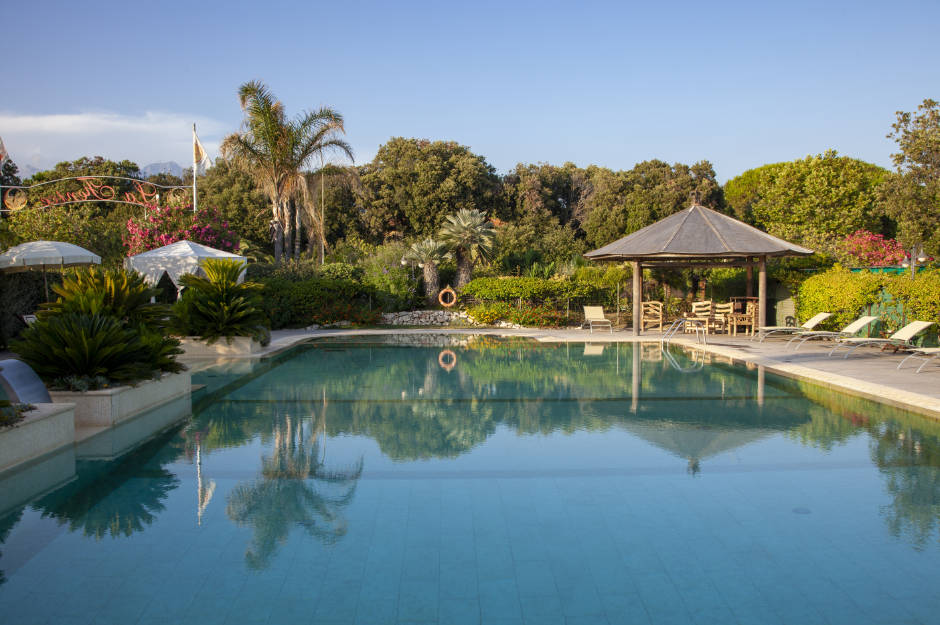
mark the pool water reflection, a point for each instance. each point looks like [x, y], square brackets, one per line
[369, 481]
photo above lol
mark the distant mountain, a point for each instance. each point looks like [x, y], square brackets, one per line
[170, 167]
[26, 171]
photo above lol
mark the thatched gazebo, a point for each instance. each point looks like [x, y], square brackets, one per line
[697, 237]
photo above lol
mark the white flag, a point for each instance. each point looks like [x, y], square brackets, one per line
[200, 158]
[4, 155]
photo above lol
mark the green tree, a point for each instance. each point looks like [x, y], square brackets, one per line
[470, 236]
[912, 194]
[239, 201]
[819, 200]
[741, 192]
[274, 150]
[344, 188]
[615, 204]
[428, 255]
[414, 183]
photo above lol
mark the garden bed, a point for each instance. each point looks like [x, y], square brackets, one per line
[44, 429]
[105, 407]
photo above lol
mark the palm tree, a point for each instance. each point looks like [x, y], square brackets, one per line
[274, 150]
[470, 236]
[427, 254]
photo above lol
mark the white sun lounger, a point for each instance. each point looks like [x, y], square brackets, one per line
[850, 330]
[923, 353]
[594, 315]
[766, 331]
[901, 338]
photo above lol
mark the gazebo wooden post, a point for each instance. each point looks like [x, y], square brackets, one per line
[762, 292]
[750, 280]
[637, 297]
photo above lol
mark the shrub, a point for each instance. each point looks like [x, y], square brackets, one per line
[866, 249]
[539, 317]
[11, 414]
[920, 297]
[527, 289]
[318, 300]
[85, 346]
[168, 224]
[114, 293]
[489, 314]
[843, 293]
[217, 306]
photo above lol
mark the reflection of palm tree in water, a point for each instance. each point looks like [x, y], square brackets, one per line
[7, 523]
[295, 488]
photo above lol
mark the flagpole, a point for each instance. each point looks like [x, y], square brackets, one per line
[195, 168]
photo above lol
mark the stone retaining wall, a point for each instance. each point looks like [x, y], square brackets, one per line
[426, 318]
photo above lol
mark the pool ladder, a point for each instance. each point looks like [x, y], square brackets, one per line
[680, 325]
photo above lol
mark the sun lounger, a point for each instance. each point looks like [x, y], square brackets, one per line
[901, 338]
[21, 384]
[923, 353]
[764, 332]
[594, 315]
[850, 330]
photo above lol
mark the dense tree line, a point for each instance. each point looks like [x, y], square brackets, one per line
[543, 213]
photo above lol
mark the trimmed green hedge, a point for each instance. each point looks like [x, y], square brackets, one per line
[528, 289]
[896, 298]
[291, 304]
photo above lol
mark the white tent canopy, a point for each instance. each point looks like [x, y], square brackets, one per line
[176, 259]
[42, 254]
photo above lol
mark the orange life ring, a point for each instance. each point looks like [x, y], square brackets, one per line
[450, 300]
[447, 359]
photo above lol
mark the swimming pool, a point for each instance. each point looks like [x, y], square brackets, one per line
[449, 480]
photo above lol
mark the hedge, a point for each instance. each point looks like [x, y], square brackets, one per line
[896, 298]
[533, 290]
[317, 300]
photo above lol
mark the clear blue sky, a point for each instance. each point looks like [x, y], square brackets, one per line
[740, 84]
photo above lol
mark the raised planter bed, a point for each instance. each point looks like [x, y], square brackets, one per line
[239, 346]
[46, 428]
[106, 407]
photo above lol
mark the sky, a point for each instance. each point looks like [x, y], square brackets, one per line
[739, 84]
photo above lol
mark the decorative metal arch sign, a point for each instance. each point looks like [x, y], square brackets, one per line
[93, 189]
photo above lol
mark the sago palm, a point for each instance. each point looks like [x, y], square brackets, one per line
[428, 254]
[468, 233]
[274, 149]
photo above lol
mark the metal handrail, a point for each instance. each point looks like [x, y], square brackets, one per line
[679, 324]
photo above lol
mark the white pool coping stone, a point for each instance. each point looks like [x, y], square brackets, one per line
[44, 429]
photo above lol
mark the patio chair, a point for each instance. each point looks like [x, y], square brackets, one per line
[594, 315]
[900, 339]
[21, 384]
[747, 319]
[652, 315]
[701, 312]
[765, 331]
[718, 322]
[922, 353]
[850, 330]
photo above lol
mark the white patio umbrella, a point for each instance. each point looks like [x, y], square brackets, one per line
[176, 259]
[43, 254]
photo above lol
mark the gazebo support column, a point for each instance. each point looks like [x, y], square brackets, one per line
[637, 297]
[750, 281]
[762, 292]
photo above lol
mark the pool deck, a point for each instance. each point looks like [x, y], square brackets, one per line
[868, 372]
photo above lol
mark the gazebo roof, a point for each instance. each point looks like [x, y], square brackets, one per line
[696, 233]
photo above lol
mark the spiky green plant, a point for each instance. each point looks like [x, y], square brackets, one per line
[468, 233]
[428, 254]
[217, 306]
[117, 293]
[83, 345]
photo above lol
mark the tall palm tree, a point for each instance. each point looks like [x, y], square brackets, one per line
[428, 254]
[468, 233]
[273, 150]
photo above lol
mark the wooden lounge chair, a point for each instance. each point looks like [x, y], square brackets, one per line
[922, 353]
[718, 322]
[850, 330]
[764, 332]
[701, 312]
[652, 315]
[594, 315]
[901, 338]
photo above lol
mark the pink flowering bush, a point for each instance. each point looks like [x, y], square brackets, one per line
[866, 249]
[162, 225]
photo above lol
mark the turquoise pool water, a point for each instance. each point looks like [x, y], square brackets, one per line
[491, 481]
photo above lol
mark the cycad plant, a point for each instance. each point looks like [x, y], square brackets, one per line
[217, 306]
[101, 329]
[428, 254]
[470, 236]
